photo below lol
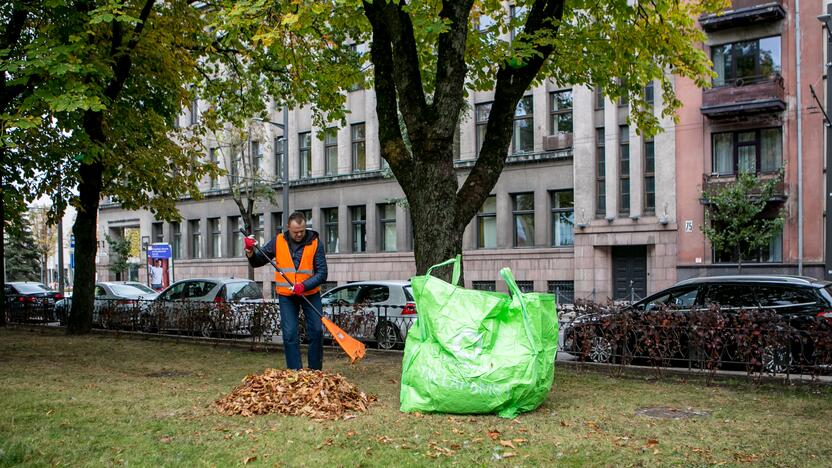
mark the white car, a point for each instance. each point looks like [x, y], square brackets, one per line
[380, 311]
[116, 304]
[211, 306]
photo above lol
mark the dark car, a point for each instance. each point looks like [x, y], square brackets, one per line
[794, 307]
[29, 301]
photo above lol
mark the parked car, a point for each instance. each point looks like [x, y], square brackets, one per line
[30, 301]
[380, 311]
[800, 305]
[116, 304]
[210, 306]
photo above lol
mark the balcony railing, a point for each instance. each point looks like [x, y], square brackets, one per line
[712, 183]
[743, 13]
[744, 96]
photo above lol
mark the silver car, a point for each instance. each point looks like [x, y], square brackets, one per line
[116, 304]
[380, 311]
[211, 306]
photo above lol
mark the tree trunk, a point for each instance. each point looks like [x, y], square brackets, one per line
[86, 245]
[2, 244]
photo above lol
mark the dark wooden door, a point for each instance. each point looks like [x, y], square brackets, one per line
[629, 270]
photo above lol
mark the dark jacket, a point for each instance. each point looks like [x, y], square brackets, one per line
[296, 249]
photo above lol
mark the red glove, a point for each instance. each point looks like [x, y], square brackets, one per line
[298, 289]
[249, 242]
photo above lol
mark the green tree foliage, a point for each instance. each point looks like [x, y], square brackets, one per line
[734, 220]
[90, 92]
[22, 258]
[426, 56]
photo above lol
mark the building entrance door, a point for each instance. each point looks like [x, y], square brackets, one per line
[629, 272]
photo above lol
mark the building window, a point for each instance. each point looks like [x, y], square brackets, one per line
[526, 286]
[194, 111]
[650, 94]
[358, 220]
[305, 153]
[564, 291]
[331, 229]
[358, 85]
[484, 285]
[649, 177]
[277, 222]
[487, 224]
[236, 161]
[741, 63]
[773, 253]
[522, 140]
[308, 215]
[518, 20]
[216, 236]
[523, 214]
[624, 169]
[359, 148]
[482, 112]
[257, 157]
[235, 223]
[278, 158]
[560, 109]
[257, 225]
[157, 233]
[196, 238]
[600, 172]
[751, 151]
[563, 218]
[176, 239]
[387, 224]
[212, 157]
[599, 99]
[331, 151]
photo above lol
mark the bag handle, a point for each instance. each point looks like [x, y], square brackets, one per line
[508, 277]
[457, 262]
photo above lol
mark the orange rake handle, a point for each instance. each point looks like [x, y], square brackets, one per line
[354, 348]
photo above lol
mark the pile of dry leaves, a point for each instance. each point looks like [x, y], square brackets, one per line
[315, 394]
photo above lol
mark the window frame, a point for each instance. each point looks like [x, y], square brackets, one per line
[757, 77]
[358, 146]
[215, 233]
[556, 211]
[305, 155]
[330, 226]
[176, 239]
[278, 157]
[480, 125]
[555, 112]
[212, 158]
[383, 224]
[482, 216]
[331, 145]
[735, 150]
[256, 150]
[600, 171]
[360, 224]
[516, 213]
[529, 117]
[624, 196]
[194, 226]
[649, 173]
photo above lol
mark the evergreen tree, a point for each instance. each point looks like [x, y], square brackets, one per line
[22, 259]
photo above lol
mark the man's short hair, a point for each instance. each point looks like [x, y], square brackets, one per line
[297, 217]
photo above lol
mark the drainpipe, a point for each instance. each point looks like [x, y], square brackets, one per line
[799, 145]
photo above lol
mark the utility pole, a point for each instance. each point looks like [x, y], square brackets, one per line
[286, 167]
[61, 255]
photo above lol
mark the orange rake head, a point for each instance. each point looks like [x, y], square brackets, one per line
[354, 348]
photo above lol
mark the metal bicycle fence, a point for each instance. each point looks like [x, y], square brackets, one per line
[758, 341]
[258, 321]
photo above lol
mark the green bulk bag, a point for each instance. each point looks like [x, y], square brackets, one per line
[478, 351]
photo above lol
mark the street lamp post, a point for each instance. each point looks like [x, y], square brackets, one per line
[285, 139]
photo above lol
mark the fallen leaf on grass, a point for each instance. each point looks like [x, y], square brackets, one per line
[248, 460]
[502, 456]
[384, 439]
[651, 443]
[49, 413]
[519, 441]
[564, 424]
[494, 434]
[746, 457]
[351, 434]
[507, 443]
[165, 439]
[326, 443]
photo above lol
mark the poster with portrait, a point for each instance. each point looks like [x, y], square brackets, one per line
[159, 266]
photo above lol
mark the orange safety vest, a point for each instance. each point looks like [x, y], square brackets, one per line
[306, 269]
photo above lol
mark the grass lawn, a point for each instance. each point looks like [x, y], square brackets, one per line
[98, 400]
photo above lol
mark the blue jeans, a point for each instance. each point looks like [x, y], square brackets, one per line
[290, 307]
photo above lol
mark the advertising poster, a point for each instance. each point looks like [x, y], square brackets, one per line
[159, 266]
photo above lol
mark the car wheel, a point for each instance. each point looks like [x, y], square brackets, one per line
[600, 349]
[776, 359]
[387, 336]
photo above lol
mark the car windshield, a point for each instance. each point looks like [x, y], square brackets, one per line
[29, 288]
[127, 290]
[408, 293]
[141, 287]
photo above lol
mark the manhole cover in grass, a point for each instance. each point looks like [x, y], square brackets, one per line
[169, 373]
[665, 412]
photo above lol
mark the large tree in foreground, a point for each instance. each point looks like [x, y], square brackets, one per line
[91, 92]
[426, 55]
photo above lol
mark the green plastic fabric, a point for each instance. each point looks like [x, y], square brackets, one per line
[478, 352]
